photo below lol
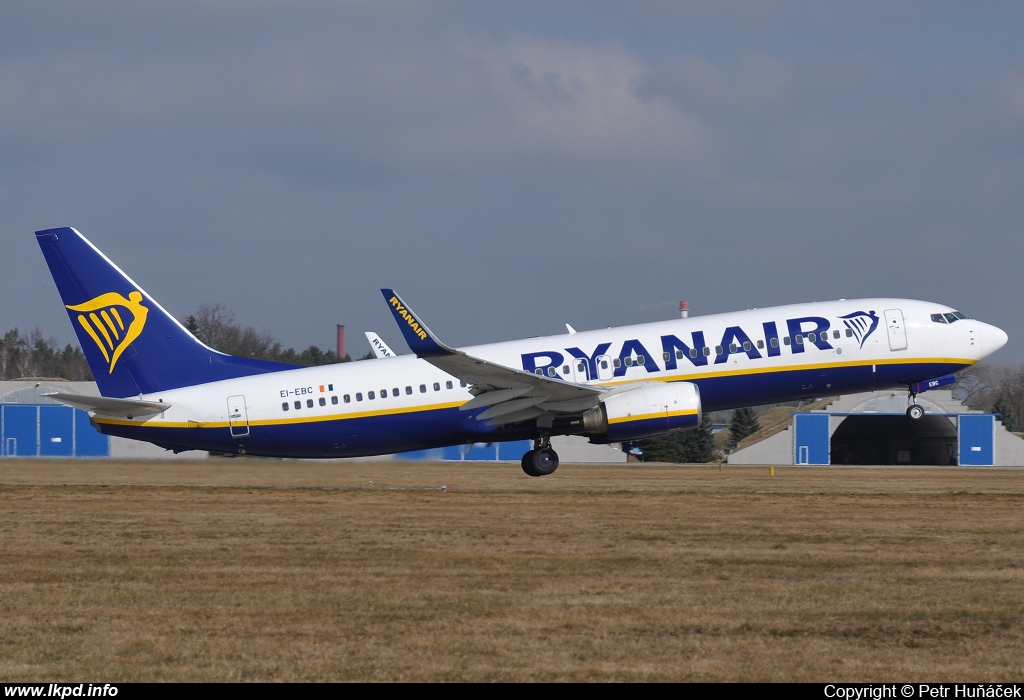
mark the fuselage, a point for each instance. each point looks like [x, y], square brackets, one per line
[736, 359]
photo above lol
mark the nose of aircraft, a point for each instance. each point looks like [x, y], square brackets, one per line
[992, 339]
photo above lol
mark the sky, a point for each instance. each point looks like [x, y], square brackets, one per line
[509, 167]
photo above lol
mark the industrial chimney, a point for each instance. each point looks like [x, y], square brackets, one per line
[341, 341]
[684, 309]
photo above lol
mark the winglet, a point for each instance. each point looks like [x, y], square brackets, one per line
[421, 341]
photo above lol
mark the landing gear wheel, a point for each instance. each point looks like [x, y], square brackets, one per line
[528, 464]
[540, 462]
[915, 412]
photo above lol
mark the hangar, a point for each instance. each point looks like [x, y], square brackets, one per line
[872, 428]
[34, 425]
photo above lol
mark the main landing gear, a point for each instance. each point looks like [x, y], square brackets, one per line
[915, 411]
[541, 460]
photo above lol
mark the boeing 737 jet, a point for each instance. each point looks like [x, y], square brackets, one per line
[162, 385]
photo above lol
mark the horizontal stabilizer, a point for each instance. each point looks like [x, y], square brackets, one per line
[119, 408]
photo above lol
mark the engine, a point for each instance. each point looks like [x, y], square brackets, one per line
[645, 411]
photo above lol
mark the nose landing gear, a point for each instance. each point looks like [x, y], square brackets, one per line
[541, 460]
[915, 411]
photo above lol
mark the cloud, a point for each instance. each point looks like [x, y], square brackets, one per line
[580, 102]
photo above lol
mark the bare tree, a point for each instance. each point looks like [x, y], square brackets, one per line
[997, 388]
[215, 325]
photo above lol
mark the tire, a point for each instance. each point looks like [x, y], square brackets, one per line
[528, 463]
[915, 412]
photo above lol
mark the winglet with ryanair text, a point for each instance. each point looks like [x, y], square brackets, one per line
[421, 341]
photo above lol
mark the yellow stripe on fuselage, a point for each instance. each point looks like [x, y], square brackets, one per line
[713, 373]
[151, 423]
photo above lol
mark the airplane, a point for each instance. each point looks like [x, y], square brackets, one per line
[160, 384]
[379, 347]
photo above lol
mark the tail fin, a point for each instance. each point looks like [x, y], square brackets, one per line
[133, 346]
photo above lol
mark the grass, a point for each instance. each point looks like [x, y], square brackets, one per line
[231, 570]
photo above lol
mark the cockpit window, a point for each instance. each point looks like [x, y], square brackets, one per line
[950, 317]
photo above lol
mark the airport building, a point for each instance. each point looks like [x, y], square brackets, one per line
[872, 428]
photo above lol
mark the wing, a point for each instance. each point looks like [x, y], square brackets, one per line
[121, 408]
[509, 395]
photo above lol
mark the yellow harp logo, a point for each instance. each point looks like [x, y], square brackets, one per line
[104, 319]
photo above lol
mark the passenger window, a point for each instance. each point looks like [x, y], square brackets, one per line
[628, 361]
[437, 386]
[284, 406]
[298, 405]
[775, 342]
[323, 401]
[849, 333]
[448, 384]
[463, 384]
[733, 347]
[693, 352]
[552, 372]
[835, 335]
[309, 403]
[334, 400]
[395, 391]
[408, 389]
[811, 337]
[666, 356]
[359, 396]
[604, 364]
[565, 369]
[616, 363]
[423, 388]
[760, 344]
[718, 349]
[707, 351]
[679, 354]
[641, 359]
[799, 339]
[786, 341]
[370, 395]
[347, 398]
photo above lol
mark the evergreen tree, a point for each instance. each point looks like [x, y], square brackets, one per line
[744, 422]
[683, 447]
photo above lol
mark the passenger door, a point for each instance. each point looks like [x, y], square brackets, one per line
[896, 330]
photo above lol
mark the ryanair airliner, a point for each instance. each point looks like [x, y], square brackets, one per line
[162, 385]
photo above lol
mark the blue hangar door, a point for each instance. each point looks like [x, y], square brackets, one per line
[976, 435]
[810, 438]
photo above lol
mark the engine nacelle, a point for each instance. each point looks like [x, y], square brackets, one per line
[646, 411]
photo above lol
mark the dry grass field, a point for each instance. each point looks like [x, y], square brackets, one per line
[227, 570]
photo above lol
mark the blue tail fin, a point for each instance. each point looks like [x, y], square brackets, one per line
[133, 346]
